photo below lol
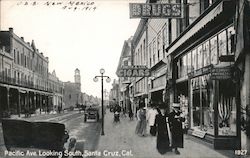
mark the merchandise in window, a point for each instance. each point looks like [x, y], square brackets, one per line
[227, 108]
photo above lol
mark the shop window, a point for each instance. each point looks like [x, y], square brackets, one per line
[206, 53]
[227, 108]
[222, 43]
[202, 104]
[230, 39]
[194, 59]
[214, 51]
[199, 57]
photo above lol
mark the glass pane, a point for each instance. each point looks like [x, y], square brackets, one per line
[206, 54]
[222, 37]
[184, 70]
[227, 108]
[194, 59]
[200, 65]
[189, 64]
[214, 52]
[230, 36]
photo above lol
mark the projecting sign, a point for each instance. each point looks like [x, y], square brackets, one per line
[155, 10]
[221, 73]
[133, 71]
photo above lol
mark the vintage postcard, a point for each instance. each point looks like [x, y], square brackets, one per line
[124, 78]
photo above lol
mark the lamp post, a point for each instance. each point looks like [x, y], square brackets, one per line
[102, 71]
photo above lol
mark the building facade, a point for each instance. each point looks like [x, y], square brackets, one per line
[24, 76]
[193, 62]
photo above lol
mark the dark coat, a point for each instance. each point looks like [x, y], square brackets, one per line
[176, 129]
[162, 134]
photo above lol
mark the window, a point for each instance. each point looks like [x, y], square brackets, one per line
[189, 62]
[199, 59]
[227, 108]
[194, 59]
[230, 39]
[206, 53]
[222, 43]
[214, 52]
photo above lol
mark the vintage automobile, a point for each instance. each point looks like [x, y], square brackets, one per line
[91, 113]
[22, 135]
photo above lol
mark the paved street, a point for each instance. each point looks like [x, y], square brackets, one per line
[121, 137]
[87, 132]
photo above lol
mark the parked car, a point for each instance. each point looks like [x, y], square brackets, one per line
[91, 113]
[23, 136]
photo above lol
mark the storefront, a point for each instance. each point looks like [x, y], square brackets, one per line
[207, 91]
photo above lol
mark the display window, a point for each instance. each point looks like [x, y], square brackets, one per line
[202, 105]
[227, 108]
[206, 53]
[214, 51]
[222, 43]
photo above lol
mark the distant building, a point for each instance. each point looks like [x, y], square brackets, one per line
[56, 86]
[72, 91]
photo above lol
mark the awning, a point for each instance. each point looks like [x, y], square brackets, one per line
[198, 24]
[157, 89]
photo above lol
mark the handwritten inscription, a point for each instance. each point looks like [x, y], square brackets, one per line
[65, 5]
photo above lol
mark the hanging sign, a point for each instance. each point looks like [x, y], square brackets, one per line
[221, 73]
[155, 10]
[133, 71]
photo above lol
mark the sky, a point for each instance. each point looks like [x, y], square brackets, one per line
[74, 37]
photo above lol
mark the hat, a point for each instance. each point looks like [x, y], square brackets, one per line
[176, 105]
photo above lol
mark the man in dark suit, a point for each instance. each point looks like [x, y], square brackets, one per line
[175, 121]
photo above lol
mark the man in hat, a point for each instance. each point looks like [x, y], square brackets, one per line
[175, 121]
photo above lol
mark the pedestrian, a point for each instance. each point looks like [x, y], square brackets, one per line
[151, 114]
[130, 114]
[175, 120]
[141, 123]
[163, 135]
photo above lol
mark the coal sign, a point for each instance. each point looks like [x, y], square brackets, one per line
[155, 10]
[133, 71]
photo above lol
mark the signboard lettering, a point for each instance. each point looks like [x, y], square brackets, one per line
[133, 71]
[221, 73]
[156, 10]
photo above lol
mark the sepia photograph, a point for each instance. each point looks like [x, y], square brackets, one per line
[124, 78]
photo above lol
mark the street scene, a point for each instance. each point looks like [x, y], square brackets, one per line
[125, 78]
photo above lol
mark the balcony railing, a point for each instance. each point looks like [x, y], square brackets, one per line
[12, 81]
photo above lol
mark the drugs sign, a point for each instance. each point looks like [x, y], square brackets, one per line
[133, 71]
[221, 73]
[155, 10]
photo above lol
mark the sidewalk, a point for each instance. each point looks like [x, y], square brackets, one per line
[121, 136]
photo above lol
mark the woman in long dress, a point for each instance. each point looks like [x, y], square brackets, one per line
[141, 124]
[163, 142]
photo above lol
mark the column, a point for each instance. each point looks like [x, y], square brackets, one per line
[18, 102]
[8, 98]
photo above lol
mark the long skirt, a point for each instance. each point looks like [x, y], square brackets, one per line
[141, 127]
[163, 144]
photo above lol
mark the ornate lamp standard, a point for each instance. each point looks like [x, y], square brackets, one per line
[102, 71]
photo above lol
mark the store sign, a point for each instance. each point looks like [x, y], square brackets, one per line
[200, 134]
[221, 73]
[199, 72]
[226, 58]
[155, 10]
[133, 71]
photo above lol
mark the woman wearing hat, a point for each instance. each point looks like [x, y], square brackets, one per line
[162, 140]
[175, 120]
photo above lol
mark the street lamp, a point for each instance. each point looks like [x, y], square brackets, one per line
[102, 71]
